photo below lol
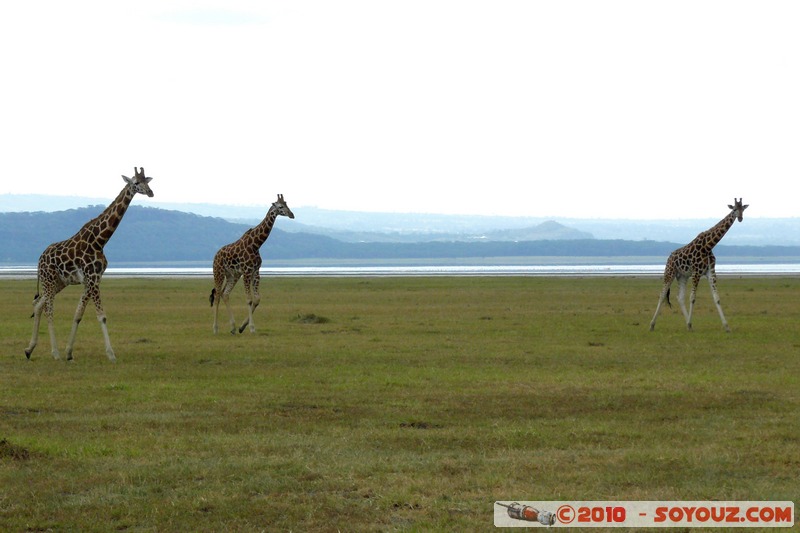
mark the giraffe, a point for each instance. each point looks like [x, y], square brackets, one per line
[80, 260]
[695, 260]
[242, 259]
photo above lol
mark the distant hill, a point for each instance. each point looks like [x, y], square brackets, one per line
[362, 226]
[145, 234]
[159, 236]
[549, 230]
[417, 227]
[546, 231]
[150, 235]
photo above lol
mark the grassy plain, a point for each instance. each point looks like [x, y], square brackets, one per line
[382, 404]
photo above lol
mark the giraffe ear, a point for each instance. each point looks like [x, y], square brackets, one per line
[730, 206]
[127, 179]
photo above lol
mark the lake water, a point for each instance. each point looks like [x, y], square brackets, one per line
[772, 269]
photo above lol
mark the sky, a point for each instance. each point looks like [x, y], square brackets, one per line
[588, 109]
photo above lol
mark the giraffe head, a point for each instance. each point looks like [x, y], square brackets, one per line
[282, 208]
[738, 208]
[139, 183]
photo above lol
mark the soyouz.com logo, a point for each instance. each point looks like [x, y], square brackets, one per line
[644, 514]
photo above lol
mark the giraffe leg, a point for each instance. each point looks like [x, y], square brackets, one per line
[712, 280]
[38, 306]
[92, 291]
[101, 317]
[76, 320]
[248, 294]
[692, 298]
[219, 286]
[682, 298]
[226, 293]
[664, 293]
[216, 296]
[51, 328]
[256, 300]
[251, 283]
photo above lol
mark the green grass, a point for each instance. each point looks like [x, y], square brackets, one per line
[393, 404]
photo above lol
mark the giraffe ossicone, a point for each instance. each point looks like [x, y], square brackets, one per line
[80, 260]
[695, 260]
[242, 259]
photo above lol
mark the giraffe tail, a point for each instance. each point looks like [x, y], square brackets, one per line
[668, 302]
[211, 298]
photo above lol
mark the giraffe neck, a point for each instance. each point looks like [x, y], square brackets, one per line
[709, 238]
[260, 233]
[100, 229]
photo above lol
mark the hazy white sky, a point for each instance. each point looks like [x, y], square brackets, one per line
[607, 109]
